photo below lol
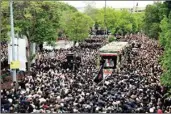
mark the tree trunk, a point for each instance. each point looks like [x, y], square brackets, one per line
[28, 55]
[33, 51]
[75, 43]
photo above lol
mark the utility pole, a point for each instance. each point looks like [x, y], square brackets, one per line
[12, 39]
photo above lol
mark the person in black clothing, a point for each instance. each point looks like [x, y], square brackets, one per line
[30, 108]
[41, 47]
[22, 84]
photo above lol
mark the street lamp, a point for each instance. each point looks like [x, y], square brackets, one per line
[105, 19]
[12, 39]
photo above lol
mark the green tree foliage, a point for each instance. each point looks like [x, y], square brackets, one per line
[90, 10]
[111, 18]
[126, 22]
[38, 21]
[165, 41]
[63, 19]
[153, 15]
[5, 23]
[65, 9]
[166, 77]
[167, 6]
[76, 25]
[138, 22]
[151, 20]
[164, 27]
[121, 22]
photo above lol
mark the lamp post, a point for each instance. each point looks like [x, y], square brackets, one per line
[12, 39]
[105, 19]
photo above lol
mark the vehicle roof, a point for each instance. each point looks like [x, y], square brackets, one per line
[113, 47]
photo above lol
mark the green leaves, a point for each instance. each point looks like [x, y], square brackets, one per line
[153, 16]
[76, 25]
[4, 21]
[166, 77]
[38, 21]
[137, 22]
[90, 10]
[165, 41]
[116, 21]
[164, 28]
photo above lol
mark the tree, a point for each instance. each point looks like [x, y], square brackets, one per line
[111, 19]
[65, 7]
[137, 22]
[164, 28]
[38, 21]
[77, 26]
[166, 76]
[167, 6]
[118, 21]
[63, 19]
[90, 10]
[5, 22]
[153, 15]
[126, 22]
[165, 41]
[41, 20]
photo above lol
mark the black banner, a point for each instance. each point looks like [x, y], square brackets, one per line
[99, 77]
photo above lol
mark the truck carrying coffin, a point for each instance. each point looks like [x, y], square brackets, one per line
[112, 55]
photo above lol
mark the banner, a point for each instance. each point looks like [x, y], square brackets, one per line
[107, 72]
[19, 53]
[15, 65]
[99, 77]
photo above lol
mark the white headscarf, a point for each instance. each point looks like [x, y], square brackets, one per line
[151, 110]
[42, 100]
[10, 100]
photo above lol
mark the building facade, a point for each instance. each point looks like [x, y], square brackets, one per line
[133, 10]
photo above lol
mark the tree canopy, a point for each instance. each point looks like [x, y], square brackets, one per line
[38, 21]
[165, 41]
[153, 15]
[76, 25]
[117, 21]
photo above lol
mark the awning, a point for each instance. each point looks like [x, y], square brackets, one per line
[108, 54]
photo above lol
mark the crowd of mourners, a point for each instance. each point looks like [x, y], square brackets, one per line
[4, 56]
[51, 88]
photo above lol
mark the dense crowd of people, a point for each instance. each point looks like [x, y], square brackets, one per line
[4, 56]
[51, 88]
[4, 61]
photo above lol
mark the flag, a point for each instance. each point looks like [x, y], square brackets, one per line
[99, 77]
